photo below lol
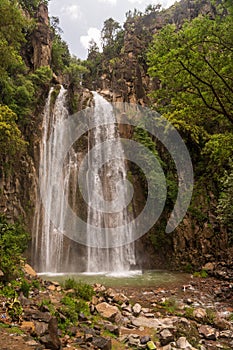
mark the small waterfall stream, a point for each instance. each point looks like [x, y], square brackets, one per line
[50, 251]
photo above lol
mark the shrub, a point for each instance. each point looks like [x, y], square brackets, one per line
[13, 242]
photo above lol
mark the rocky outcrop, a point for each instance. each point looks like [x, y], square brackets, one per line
[41, 39]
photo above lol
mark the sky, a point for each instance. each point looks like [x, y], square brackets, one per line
[82, 20]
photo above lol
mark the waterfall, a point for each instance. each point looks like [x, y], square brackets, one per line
[109, 182]
[48, 242]
[52, 251]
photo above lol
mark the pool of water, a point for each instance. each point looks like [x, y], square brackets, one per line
[155, 278]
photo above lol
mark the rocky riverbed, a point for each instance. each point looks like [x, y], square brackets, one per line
[197, 315]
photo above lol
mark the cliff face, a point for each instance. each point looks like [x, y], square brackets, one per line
[37, 51]
[125, 79]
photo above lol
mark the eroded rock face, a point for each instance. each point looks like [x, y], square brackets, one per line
[42, 39]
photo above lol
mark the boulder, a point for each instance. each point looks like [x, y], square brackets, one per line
[107, 311]
[102, 343]
[200, 313]
[208, 332]
[29, 270]
[166, 337]
[183, 343]
[136, 309]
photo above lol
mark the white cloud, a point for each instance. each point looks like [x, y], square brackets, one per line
[92, 33]
[112, 2]
[73, 11]
[137, 1]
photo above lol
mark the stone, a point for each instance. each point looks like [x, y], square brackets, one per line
[37, 315]
[136, 309]
[112, 328]
[200, 313]
[151, 345]
[166, 337]
[52, 287]
[145, 339]
[142, 321]
[32, 343]
[209, 266]
[1, 273]
[102, 343]
[167, 347]
[53, 333]
[120, 298]
[88, 337]
[28, 326]
[107, 311]
[221, 323]
[208, 332]
[29, 270]
[133, 341]
[41, 328]
[183, 343]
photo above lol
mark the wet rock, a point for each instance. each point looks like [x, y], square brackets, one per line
[208, 332]
[107, 311]
[136, 309]
[102, 343]
[166, 337]
[145, 339]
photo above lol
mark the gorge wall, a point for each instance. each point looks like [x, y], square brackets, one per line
[123, 79]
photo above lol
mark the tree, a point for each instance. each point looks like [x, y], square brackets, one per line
[225, 204]
[11, 141]
[109, 32]
[194, 66]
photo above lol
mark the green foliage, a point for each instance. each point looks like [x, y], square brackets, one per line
[42, 76]
[32, 5]
[193, 66]
[60, 55]
[225, 204]
[25, 288]
[71, 309]
[82, 290]
[13, 242]
[11, 141]
[14, 309]
[201, 274]
[74, 73]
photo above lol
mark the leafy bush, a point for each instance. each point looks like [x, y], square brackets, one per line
[13, 242]
[82, 290]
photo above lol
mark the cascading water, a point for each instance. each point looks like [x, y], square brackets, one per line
[51, 249]
[48, 245]
[109, 182]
